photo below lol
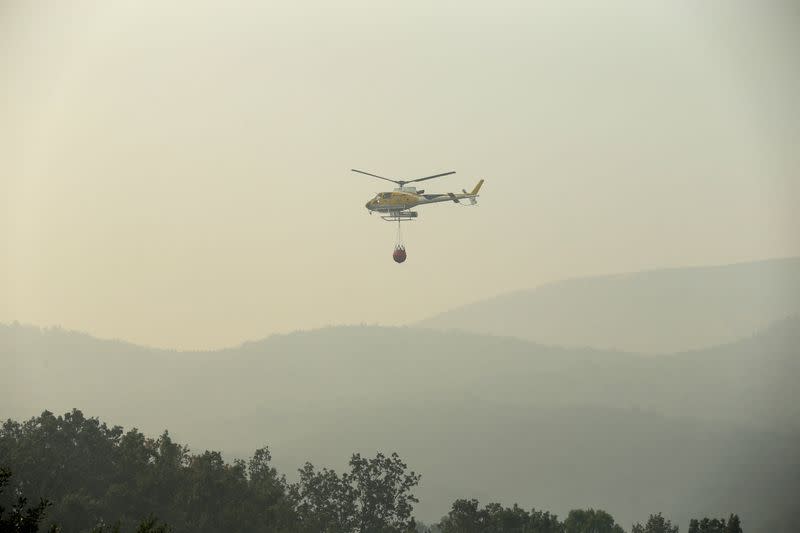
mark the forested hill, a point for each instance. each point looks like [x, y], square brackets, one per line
[481, 416]
[657, 311]
[347, 366]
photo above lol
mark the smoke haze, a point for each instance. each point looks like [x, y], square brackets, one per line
[182, 244]
[177, 174]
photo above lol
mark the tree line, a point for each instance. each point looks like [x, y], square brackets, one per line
[80, 475]
[466, 516]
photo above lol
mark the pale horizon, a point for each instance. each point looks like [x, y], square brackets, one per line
[178, 175]
[410, 323]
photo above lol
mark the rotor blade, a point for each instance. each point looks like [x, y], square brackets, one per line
[431, 177]
[373, 175]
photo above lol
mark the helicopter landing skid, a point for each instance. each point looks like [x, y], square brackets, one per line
[400, 216]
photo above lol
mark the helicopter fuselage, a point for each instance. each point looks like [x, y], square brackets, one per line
[405, 198]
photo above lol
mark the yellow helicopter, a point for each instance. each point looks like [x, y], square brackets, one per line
[397, 205]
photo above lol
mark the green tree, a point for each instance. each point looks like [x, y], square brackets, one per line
[148, 525]
[591, 521]
[544, 522]
[382, 488]
[324, 501]
[716, 525]
[707, 525]
[464, 517]
[268, 502]
[374, 497]
[734, 525]
[506, 519]
[655, 524]
[95, 475]
[21, 519]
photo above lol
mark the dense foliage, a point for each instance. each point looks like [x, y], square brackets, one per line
[466, 517]
[716, 525]
[374, 496]
[655, 524]
[96, 475]
[20, 518]
[101, 479]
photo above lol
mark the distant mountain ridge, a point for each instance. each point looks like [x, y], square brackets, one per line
[482, 416]
[53, 368]
[658, 311]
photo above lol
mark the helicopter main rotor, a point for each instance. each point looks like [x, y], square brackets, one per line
[401, 183]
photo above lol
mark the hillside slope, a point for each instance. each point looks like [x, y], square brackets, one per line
[750, 382]
[658, 311]
[706, 432]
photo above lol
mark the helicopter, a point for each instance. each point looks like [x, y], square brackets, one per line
[397, 205]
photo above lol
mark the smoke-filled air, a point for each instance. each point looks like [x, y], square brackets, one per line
[395, 267]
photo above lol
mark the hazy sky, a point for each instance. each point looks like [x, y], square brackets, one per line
[177, 173]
